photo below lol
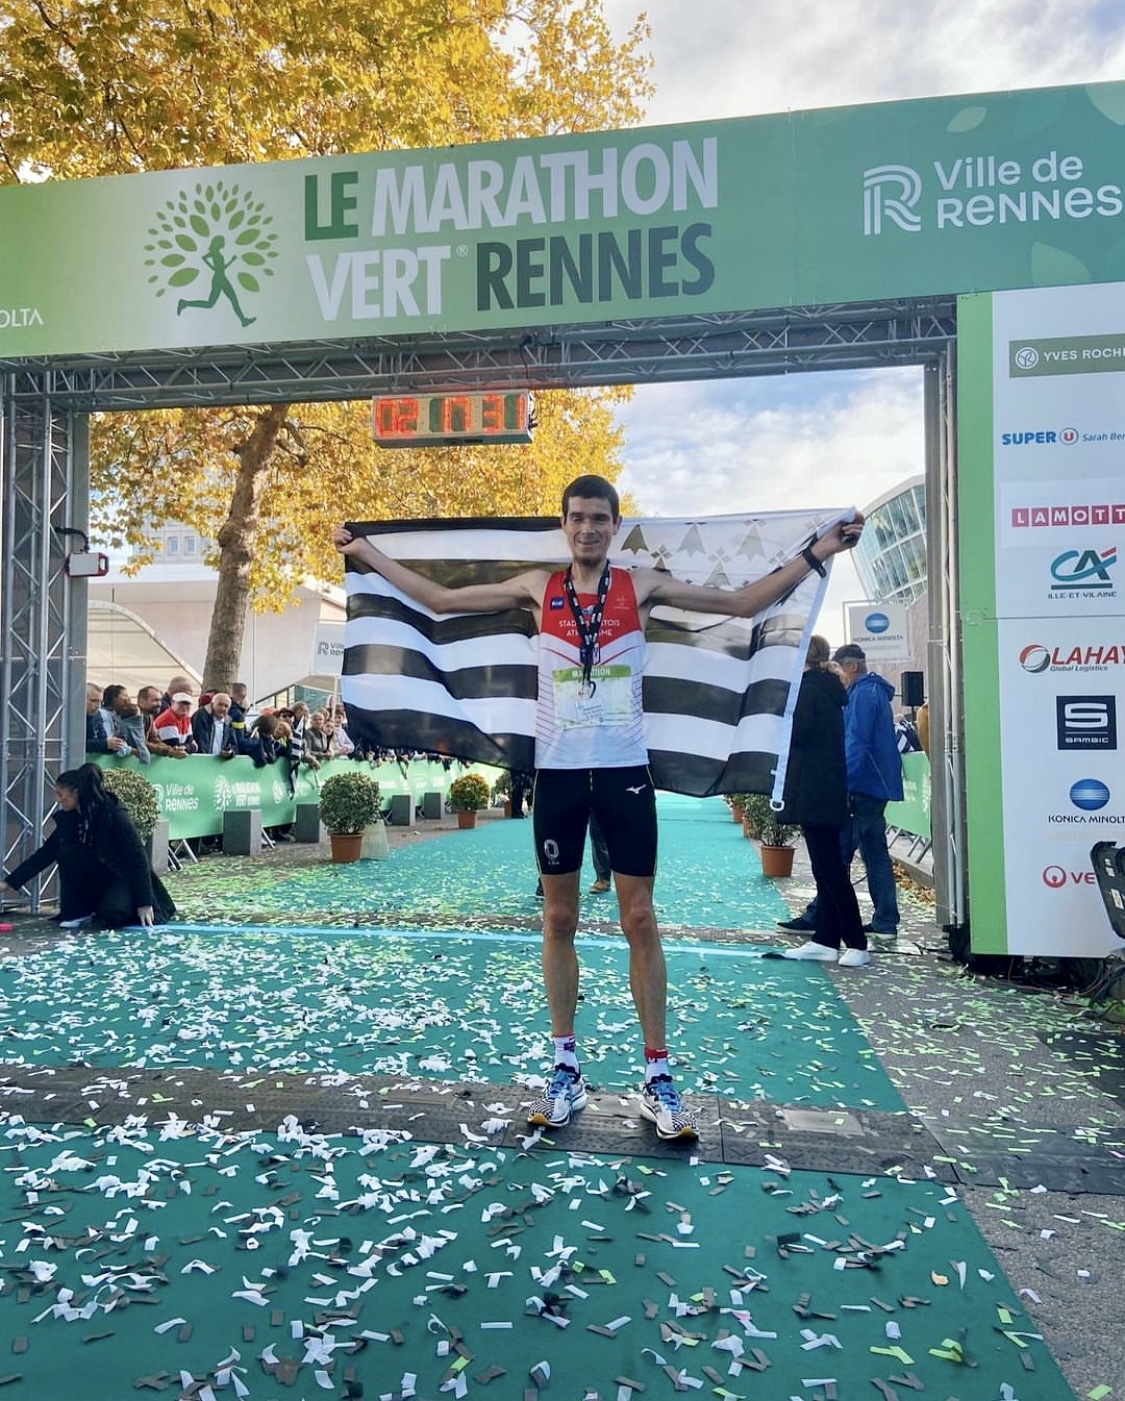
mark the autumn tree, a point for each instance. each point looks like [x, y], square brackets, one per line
[115, 88]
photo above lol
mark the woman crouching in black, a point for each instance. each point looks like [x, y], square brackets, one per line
[104, 872]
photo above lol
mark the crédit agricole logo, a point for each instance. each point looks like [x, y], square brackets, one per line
[211, 247]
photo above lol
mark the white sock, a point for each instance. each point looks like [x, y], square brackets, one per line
[566, 1052]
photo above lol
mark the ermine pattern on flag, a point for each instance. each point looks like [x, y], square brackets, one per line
[718, 691]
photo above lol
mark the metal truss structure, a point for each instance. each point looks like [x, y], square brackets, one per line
[44, 475]
[43, 497]
[619, 352]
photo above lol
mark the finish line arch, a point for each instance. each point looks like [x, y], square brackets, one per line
[826, 239]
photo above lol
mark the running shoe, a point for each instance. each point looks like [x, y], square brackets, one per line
[565, 1095]
[79, 922]
[662, 1106]
[819, 953]
[854, 958]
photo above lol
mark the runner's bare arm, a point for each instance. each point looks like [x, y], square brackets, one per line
[520, 591]
[653, 586]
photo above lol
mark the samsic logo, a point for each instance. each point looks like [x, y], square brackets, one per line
[1035, 658]
[1056, 878]
[1086, 722]
[1038, 437]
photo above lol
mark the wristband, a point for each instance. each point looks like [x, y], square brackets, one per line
[813, 563]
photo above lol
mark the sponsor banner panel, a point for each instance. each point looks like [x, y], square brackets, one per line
[1058, 442]
[907, 199]
[1062, 693]
[880, 629]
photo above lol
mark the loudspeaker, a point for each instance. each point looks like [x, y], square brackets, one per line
[913, 686]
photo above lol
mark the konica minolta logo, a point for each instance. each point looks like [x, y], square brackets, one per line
[982, 190]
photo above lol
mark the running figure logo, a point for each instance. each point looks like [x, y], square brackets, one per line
[217, 232]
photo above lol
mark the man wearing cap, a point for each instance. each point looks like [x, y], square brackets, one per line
[173, 726]
[874, 779]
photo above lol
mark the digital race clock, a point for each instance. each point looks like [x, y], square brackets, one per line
[440, 420]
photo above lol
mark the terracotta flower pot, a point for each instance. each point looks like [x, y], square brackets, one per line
[467, 819]
[737, 812]
[346, 847]
[777, 860]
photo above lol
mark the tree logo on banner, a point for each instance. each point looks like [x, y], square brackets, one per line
[215, 240]
[224, 794]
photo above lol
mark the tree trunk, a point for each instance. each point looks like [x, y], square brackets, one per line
[236, 542]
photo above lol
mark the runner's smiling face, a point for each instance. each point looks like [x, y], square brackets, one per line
[589, 528]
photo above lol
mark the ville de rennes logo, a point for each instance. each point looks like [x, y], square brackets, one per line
[215, 241]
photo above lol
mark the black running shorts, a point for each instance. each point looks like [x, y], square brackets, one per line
[624, 801]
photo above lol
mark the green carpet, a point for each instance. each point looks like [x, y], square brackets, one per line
[709, 875]
[436, 1004]
[307, 1266]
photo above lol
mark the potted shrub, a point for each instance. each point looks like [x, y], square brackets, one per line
[467, 795]
[502, 791]
[737, 804]
[775, 836]
[138, 795]
[349, 803]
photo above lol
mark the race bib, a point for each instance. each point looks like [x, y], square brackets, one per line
[607, 699]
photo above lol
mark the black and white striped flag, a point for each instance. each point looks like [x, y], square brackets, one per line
[718, 692]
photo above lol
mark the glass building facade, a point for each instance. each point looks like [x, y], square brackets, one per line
[891, 555]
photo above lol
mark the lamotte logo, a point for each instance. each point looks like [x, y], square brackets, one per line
[215, 237]
[1039, 437]
[1035, 658]
[1086, 722]
[983, 190]
[1046, 516]
[1084, 572]
[876, 623]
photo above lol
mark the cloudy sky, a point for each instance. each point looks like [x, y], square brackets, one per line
[842, 438]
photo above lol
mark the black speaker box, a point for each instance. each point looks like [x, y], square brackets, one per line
[913, 688]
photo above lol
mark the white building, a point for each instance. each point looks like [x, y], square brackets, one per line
[175, 599]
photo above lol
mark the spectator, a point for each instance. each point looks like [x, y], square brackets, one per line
[874, 779]
[906, 736]
[816, 796]
[261, 743]
[240, 717]
[104, 873]
[211, 729]
[148, 701]
[342, 745]
[177, 683]
[101, 736]
[318, 739]
[126, 721]
[923, 725]
[173, 725]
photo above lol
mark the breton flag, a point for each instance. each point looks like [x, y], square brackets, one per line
[718, 692]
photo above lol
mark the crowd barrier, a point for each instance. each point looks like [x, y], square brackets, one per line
[195, 792]
[913, 813]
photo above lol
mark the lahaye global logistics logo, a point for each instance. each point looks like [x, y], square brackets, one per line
[1036, 659]
[983, 189]
[213, 241]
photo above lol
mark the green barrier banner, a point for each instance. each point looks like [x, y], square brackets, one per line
[913, 813]
[195, 792]
[904, 199]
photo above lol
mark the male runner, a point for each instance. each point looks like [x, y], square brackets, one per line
[590, 755]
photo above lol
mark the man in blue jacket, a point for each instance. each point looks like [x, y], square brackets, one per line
[874, 780]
